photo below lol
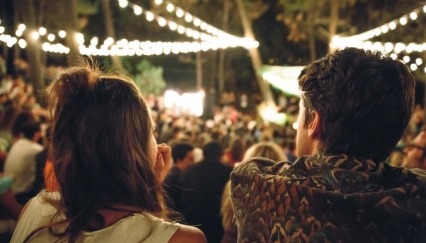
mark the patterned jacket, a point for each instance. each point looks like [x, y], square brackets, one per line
[332, 198]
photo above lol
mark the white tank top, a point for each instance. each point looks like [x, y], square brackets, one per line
[136, 228]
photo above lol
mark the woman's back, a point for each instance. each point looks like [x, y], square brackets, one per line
[136, 227]
[108, 166]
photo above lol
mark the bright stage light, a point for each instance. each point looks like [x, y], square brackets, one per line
[187, 103]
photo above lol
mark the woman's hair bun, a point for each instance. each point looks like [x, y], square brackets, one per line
[76, 85]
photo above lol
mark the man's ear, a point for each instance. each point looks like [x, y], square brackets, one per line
[315, 125]
[37, 136]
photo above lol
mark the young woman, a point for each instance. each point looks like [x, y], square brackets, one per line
[108, 166]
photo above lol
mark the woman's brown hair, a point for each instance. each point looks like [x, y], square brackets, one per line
[101, 135]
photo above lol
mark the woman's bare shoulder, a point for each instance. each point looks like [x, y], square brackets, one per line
[188, 234]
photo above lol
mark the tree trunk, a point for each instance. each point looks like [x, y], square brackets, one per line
[311, 32]
[255, 56]
[26, 8]
[71, 27]
[110, 31]
[16, 48]
[40, 21]
[334, 19]
[221, 64]
[199, 70]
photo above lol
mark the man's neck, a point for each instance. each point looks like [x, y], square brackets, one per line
[181, 166]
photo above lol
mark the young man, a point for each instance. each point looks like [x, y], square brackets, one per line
[20, 162]
[354, 107]
[183, 157]
[201, 195]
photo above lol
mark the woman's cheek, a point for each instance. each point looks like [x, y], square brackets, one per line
[154, 150]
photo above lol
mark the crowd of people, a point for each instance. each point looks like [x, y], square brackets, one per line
[103, 162]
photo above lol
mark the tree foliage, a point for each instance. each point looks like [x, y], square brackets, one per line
[148, 77]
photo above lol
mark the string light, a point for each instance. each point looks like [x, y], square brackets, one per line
[212, 32]
[339, 41]
[149, 16]
[394, 49]
[137, 10]
[123, 3]
[42, 31]
[22, 43]
[79, 37]
[388, 47]
[55, 48]
[51, 37]
[62, 33]
[406, 59]
[170, 7]
[35, 35]
[162, 22]
[188, 17]
[18, 33]
[179, 13]
[20, 30]
[172, 26]
[212, 40]
[197, 22]
[392, 25]
[122, 47]
[361, 40]
[94, 41]
[126, 48]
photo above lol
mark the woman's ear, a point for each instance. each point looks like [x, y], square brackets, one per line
[315, 125]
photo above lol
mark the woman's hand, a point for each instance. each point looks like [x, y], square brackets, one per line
[164, 161]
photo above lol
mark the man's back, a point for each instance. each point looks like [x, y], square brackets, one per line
[354, 107]
[20, 163]
[202, 187]
[328, 199]
[173, 188]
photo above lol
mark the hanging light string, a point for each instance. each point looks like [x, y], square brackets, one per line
[191, 19]
[109, 46]
[394, 49]
[339, 42]
[212, 39]
[207, 33]
[163, 22]
[390, 47]
[36, 35]
[415, 62]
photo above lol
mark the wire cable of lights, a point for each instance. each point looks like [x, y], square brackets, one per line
[189, 18]
[395, 49]
[212, 32]
[163, 22]
[340, 42]
[212, 40]
[109, 46]
[46, 46]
